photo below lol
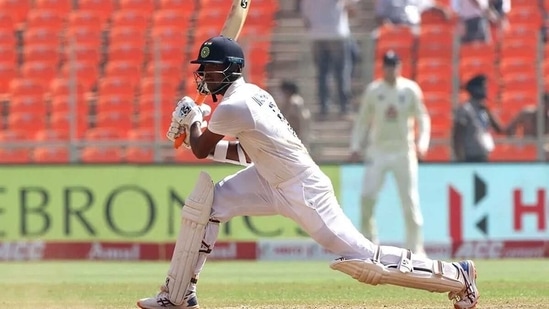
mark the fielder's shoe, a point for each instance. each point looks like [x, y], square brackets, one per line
[466, 299]
[162, 300]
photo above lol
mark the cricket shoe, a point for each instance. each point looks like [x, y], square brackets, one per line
[468, 297]
[162, 300]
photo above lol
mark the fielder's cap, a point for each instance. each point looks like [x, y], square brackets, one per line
[390, 58]
[220, 49]
[478, 80]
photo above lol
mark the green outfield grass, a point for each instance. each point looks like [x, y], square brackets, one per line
[78, 285]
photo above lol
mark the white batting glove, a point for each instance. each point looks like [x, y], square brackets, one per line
[175, 130]
[187, 112]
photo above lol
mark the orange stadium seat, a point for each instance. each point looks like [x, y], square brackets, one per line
[137, 154]
[42, 72]
[103, 134]
[442, 34]
[6, 21]
[168, 71]
[8, 54]
[118, 121]
[130, 18]
[434, 66]
[510, 66]
[26, 86]
[518, 98]
[25, 120]
[48, 135]
[438, 153]
[140, 135]
[520, 82]
[43, 53]
[172, 18]
[477, 49]
[396, 33]
[45, 18]
[8, 72]
[104, 8]
[146, 121]
[470, 66]
[50, 154]
[177, 5]
[86, 73]
[146, 6]
[14, 155]
[149, 86]
[85, 19]
[63, 104]
[186, 156]
[526, 16]
[169, 35]
[96, 154]
[518, 48]
[62, 7]
[434, 50]
[510, 152]
[18, 9]
[127, 52]
[115, 103]
[434, 17]
[64, 87]
[435, 83]
[123, 69]
[127, 35]
[26, 103]
[7, 39]
[62, 121]
[433, 98]
[88, 36]
[83, 53]
[169, 53]
[115, 85]
[41, 36]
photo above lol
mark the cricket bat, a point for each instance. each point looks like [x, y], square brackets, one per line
[231, 29]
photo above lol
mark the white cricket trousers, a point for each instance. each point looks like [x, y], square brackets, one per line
[309, 200]
[404, 167]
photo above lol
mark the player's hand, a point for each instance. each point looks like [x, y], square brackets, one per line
[355, 157]
[188, 112]
[175, 130]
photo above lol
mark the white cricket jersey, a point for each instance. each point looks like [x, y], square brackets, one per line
[250, 114]
[387, 112]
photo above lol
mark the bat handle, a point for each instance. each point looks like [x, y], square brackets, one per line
[179, 140]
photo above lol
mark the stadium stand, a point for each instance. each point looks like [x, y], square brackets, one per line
[117, 50]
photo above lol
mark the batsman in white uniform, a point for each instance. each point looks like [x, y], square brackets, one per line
[280, 178]
[390, 108]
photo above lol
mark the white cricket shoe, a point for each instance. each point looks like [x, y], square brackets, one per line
[468, 298]
[162, 300]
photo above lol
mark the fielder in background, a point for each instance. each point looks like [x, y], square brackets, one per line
[279, 178]
[387, 112]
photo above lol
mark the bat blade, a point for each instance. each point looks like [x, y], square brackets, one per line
[231, 29]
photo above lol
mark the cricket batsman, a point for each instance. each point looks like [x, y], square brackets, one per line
[278, 177]
[387, 112]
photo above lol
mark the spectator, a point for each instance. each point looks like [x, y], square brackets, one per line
[527, 120]
[405, 12]
[474, 15]
[389, 108]
[327, 22]
[294, 110]
[498, 12]
[471, 138]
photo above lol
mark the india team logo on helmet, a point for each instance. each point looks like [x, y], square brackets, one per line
[205, 52]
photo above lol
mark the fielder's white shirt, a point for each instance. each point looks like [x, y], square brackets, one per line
[388, 113]
[250, 114]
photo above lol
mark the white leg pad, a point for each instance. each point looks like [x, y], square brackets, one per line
[367, 271]
[194, 218]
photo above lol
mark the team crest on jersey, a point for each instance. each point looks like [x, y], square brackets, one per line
[205, 52]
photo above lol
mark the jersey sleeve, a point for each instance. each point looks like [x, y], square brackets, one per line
[231, 119]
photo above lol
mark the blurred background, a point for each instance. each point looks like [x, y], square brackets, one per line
[95, 81]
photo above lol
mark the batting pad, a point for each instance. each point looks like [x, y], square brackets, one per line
[366, 271]
[194, 217]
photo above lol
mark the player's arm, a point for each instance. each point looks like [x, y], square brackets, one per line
[362, 121]
[514, 124]
[210, 145]
[423, 121]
